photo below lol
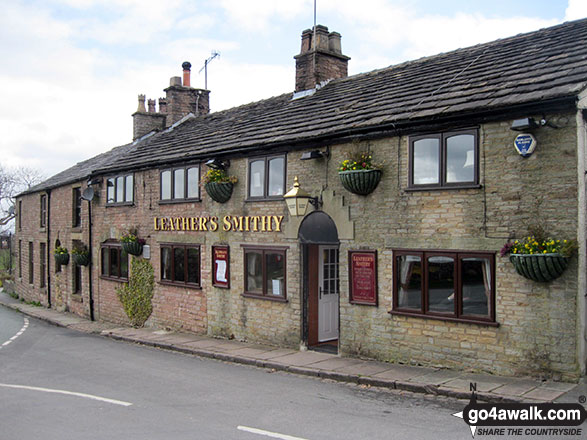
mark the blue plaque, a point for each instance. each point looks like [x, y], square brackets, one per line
[525, 144]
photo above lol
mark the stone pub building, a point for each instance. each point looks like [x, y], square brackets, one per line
[404, 269]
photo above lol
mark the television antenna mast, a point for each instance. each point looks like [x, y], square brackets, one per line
[215, 54]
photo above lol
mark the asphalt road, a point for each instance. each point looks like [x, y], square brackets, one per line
[153, 394]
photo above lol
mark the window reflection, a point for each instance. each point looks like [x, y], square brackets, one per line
[179, 184]
[193, 182]
[441, 285]
[476, 279]
[426, 161]
[409, 281]
[257, 178]
[460, 158]
[254, 265]
[276, 176]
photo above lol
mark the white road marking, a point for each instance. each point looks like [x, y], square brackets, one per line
[268, 433]
[20, 332]
[67, 393]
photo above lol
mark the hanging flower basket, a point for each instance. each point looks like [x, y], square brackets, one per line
[219, 191]
[62, 259]
[132, 247]
[81, 259]
[539, 267]
[360, 182]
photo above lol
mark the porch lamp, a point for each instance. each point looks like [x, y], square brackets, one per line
[297, 200]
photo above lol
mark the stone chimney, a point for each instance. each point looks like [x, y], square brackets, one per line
[320, 62]
[181, 99]
[145, 122]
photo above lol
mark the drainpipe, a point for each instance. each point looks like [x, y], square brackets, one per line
[582, 233]
[48, 248]
[91, 261]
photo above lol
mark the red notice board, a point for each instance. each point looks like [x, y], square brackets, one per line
[363, 277]
[221, 267]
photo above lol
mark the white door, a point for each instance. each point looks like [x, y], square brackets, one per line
[328, 288]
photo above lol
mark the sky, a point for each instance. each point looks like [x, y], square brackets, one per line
[71, 70]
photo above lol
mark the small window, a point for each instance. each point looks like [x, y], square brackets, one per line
[120, 190]
[42, 264]
[453, 285]
[77, 279]
[444, 160]
[114, 261]
[180, 184]
[19, 213]
[267, 177]
[31, 262]
[265, 273]
[77, 207]
[180, 264]
[43, 216]
[20, 258]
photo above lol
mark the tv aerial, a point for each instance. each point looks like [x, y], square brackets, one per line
[215, 54]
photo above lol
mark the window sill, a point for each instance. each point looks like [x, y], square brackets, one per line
[266, 298]
[116, 205]
[77, 297]
[120, 280]
[445, 318]
[43, 229]
[265, 199]
[442, 188]
[177, 201]
[182, 285]
[76, 229]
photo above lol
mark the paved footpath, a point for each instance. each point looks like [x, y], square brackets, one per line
[329, 366]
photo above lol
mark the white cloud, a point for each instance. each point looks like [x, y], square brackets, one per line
[259, 15]
[577, 9]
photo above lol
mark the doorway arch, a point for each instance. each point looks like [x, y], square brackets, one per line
[318, 236]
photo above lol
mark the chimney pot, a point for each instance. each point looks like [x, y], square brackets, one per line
[175, 81]
[141, 107]
[334, 42]
[151, 103]
[162, 105]
[186, 73]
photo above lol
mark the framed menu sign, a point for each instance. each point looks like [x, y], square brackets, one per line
[363, 277]
[220, 267]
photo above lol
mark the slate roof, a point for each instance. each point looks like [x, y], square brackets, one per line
[536, 67]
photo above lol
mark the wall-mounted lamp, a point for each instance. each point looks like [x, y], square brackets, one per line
[315, 154]
[218, 164]
[524, 124]
[297, 200]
